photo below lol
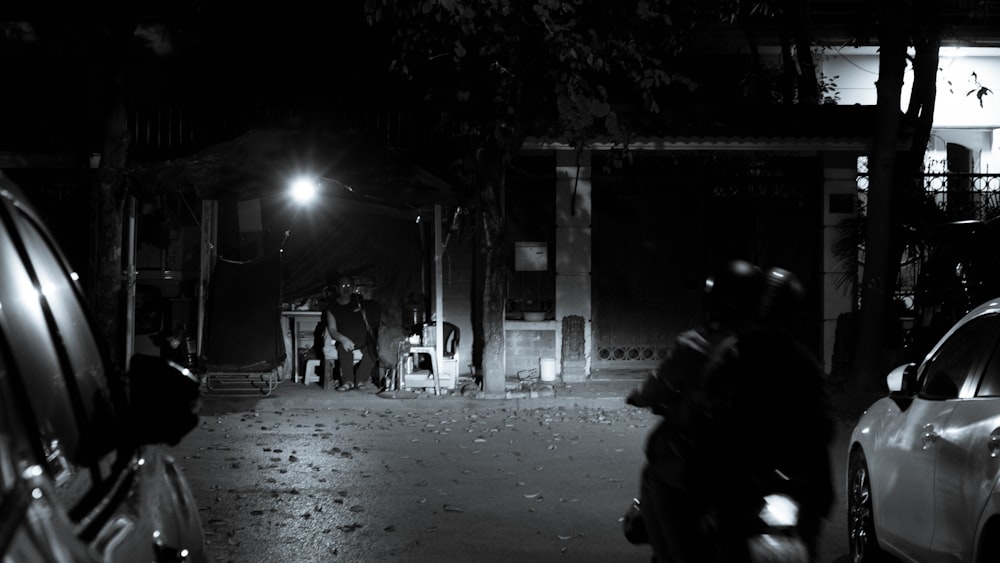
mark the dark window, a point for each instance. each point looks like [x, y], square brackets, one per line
[990, 385]
[960, 358]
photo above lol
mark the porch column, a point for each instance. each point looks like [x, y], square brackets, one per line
[840, 201]
[572, 260]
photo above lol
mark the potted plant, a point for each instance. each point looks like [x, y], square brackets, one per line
[535, 310]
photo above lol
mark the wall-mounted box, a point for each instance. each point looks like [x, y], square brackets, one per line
[531, 256]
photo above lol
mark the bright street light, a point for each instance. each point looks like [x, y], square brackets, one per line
[303, 190]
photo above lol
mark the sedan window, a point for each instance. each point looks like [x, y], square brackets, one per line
[990, 385]
[960, 359]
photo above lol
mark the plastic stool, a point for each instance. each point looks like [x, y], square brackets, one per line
[421, 378]
[310, 375]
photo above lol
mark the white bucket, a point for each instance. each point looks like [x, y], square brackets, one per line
[547, 369]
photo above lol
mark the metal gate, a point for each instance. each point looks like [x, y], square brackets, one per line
[661, 224]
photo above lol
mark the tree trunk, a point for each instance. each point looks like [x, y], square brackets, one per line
[758, 87]
[492, 178]
[923, 95]
[923, 98]
[868, 366]
[107, 56]
[789, 74]
[804, 77]
[909, 189]
[106, 280]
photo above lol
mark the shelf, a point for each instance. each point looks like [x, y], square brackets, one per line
[424, 378]
[531, 325]
[147, 275]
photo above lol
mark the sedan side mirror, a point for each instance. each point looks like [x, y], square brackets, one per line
[165, 398]
[903, 379]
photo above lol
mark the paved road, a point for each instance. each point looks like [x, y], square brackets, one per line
[359, 478]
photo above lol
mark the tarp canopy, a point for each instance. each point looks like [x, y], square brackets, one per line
[370, 218]
[263, 161]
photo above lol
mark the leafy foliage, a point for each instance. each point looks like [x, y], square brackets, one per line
[499, 70]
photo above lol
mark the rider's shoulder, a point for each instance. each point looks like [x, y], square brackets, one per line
[693, 341]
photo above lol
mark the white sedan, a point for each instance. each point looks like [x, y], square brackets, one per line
[924, 462]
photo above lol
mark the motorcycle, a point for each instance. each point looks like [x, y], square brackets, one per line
[775, 536]
[772, 532]
[634, 526]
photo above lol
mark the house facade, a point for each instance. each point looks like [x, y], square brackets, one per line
[614, 258]
[630, 250]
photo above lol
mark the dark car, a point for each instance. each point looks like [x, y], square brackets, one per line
[82, 475]
[962, 271]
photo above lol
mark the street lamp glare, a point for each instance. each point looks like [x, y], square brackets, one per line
[303, 190]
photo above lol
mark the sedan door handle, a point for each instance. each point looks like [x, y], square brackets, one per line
[994, 443]
[929, 437]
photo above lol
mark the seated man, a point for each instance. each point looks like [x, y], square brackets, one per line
[324, 348]
[350, 321]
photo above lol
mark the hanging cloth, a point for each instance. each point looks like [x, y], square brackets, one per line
[244, 316]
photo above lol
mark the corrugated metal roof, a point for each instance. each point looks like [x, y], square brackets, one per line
[773, 127]
[745, 143]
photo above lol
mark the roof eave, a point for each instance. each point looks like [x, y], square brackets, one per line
[672, 144]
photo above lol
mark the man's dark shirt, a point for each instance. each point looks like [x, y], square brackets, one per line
[349, 320]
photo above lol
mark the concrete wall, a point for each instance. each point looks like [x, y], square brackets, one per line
[526, 345]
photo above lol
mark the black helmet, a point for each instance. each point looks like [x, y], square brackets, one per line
[733, 292]
[782, 298]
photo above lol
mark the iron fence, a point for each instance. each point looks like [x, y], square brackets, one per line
[958, 197]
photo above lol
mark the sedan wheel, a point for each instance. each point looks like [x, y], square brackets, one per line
[860, 517]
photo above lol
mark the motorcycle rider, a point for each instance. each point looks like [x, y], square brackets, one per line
[672, 511]
[772, 385]
[704, 480]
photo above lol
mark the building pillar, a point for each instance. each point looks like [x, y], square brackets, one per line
[573, 263]
[840, 201]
